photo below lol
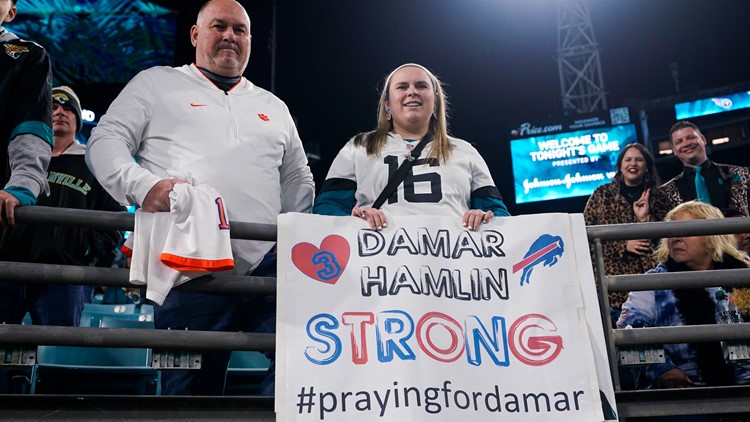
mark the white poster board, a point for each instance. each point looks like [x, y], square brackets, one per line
[428, 321]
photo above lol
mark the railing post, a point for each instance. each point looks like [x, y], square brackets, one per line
[602, 281]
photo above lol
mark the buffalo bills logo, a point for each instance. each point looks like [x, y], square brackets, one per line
[546, 251]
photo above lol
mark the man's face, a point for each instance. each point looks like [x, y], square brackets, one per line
[63, 119]
[221, 38]
[689, 146]
[7, 11]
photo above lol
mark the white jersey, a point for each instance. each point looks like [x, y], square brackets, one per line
[431, 188]
[242, 142]
[188, 241]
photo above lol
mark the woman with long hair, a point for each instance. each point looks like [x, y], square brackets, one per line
[448, 178]
[632, 196]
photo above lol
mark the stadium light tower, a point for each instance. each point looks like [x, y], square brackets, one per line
[581, 82]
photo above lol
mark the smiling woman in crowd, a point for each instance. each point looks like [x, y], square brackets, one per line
[632, 196]
[449, 178]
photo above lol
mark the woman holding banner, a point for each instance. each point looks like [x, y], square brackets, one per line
[386, 166]
[632, 196]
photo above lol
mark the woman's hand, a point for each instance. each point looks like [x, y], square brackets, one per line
[641, 207]
[638, 247]
[375, 218]
[472, 219]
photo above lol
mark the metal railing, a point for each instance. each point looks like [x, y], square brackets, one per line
[698, 400]
[630, 403]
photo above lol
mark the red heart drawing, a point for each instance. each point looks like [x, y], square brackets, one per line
[325, 264]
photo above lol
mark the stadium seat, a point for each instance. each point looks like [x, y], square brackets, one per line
[107, 321]
[15, 365]
[245, 373]
[93, 313]
[94, 370]
[128, 308]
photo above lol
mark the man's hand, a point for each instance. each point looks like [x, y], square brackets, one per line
[674, 378]
[157, 199]
[8, 204]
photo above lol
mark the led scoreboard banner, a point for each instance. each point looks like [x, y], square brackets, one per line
[569, 164]
[713, 105]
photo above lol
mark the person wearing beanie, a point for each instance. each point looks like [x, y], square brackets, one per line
[63, 97]
[72, 185]
[26, 126]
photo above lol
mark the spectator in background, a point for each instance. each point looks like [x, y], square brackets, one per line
[693, 364]
[632, 196]
[721, 185]
[743, 239]
[207, 119]
[25, 127]
[72, 185]
[411, 110]
[741, 295]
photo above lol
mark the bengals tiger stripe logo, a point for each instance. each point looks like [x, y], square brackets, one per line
[15, 51]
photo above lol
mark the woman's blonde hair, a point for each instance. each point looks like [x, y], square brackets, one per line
[438, 128]
[717, 245]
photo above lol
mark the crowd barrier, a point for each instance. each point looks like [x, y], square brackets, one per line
[699, 400]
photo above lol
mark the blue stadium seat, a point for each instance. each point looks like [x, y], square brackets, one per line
[99, 370]
[93, 313]
[94, 319]
[107, 321]
[128, 308]
[94, 370]
[245, 373]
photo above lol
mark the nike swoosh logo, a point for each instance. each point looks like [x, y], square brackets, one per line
[197, 105]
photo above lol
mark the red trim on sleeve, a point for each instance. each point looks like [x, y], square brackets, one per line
[180, 263]
[126, 251]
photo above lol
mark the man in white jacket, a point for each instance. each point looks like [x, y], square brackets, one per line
[207, 119]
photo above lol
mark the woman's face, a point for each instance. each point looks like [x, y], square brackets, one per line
[411, 99]
[689, 250]
[633, 167]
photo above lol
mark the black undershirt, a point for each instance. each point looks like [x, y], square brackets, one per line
[631, 193]
[224, 83]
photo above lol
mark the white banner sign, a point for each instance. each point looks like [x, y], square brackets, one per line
[428, 321]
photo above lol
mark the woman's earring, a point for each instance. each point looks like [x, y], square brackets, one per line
[388, 113]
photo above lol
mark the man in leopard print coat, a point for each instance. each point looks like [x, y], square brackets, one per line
[728, 185]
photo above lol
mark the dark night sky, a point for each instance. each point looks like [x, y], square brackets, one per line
[496, 57]
[498, 60]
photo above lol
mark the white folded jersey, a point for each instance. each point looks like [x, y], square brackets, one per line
[169, 249]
